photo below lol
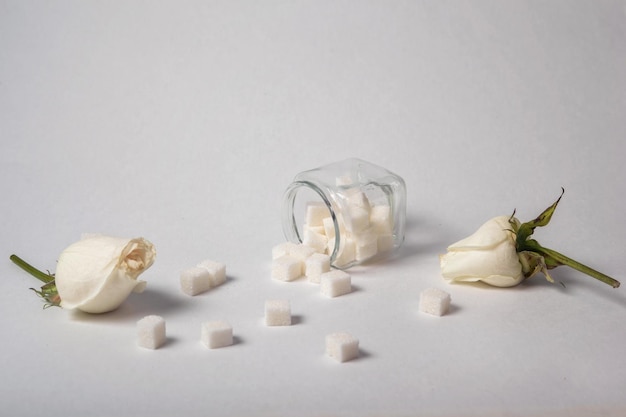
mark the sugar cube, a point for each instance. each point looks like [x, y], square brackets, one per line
[380, 219]
[315, 240]
[316, 229]
[217, 271]
[277, 313]
[315, 266]
[385, 243]
[346, 253]
[195, 280]
[357, 219]
[335, 283]
[342, 346]
[301, 251]
[282, 249]
[366, 245]
[357, 198]
[344, 180]
[216, 334]
[286, 268]
[315, 212]
[151, 332]
[434, 301]
[329, 227]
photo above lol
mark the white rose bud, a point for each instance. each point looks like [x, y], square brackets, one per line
[97, 273]
[488, 255]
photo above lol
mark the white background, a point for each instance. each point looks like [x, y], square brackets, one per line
[184, 121]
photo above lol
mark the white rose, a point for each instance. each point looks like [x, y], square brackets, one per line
[488, 255]
[97, 273]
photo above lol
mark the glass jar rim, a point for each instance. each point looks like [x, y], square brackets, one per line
[290, 226]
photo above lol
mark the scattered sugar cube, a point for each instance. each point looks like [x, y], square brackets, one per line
[195, 280]
[434, 301]
[216, 334]
[301, 252]
[217, 270]
[282, 249]
[335, 283]
[151, 332]
[315, 240]
[277, 313]
[342, 346]
[315, 212]
[286, 268]
[315, 266]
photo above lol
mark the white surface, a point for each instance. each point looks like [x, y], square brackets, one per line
[183, 122]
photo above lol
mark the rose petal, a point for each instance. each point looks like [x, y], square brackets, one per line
[487, 236]
[96, 274]
[498, 266]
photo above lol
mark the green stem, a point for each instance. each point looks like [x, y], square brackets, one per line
[564, 260]
[42, 276]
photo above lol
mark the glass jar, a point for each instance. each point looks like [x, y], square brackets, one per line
[352, 210]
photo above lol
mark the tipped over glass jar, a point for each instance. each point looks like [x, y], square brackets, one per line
[352, 210]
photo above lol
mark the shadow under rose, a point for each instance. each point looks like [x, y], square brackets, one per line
[135, 307]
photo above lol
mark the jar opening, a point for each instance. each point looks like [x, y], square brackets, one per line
[309, 217]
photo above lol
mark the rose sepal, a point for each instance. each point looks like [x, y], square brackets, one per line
[48, 291]
[536, 258]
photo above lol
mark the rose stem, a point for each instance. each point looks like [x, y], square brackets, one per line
[45, 278]
[574, 264]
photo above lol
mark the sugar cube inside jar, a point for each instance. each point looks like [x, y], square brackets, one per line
[352, 210]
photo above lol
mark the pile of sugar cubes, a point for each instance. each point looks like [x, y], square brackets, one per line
[202, 277]
[291, 261]
[366, 229]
